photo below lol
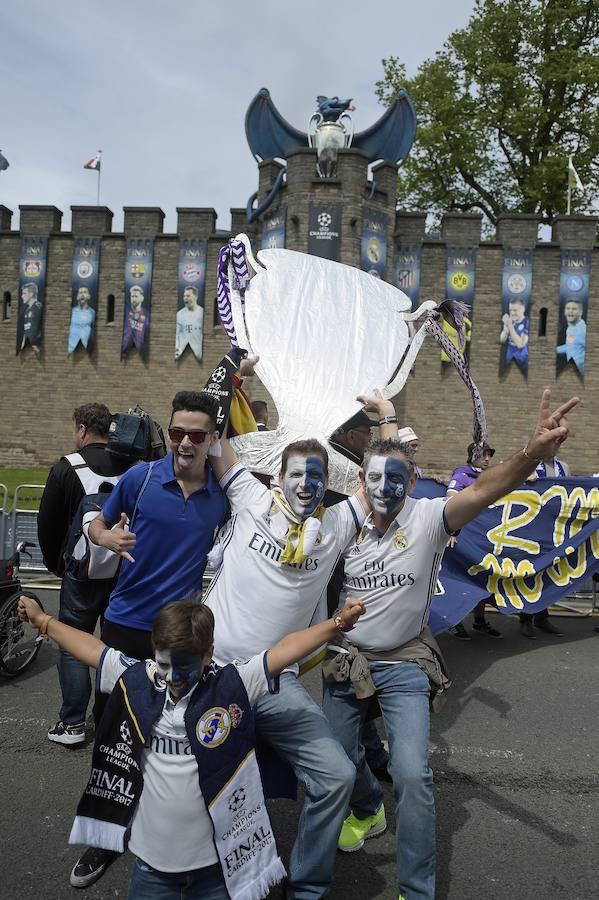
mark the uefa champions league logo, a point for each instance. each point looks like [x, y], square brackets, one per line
[324, 220]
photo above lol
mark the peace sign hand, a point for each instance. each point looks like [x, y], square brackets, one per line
[552, 428]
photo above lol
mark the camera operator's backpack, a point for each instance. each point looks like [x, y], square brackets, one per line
[136, 436]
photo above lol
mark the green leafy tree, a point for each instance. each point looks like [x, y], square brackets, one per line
[501, 107]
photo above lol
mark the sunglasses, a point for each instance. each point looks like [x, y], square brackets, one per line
[196, 437]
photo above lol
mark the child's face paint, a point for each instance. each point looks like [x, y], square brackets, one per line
[304, 484]
[180, 671]
[386, 482]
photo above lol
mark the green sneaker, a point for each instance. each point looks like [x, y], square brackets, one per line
[356, 831]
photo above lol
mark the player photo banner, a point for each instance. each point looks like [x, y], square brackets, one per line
[575, 271]
[459, 285]
[190, 297]
[273, 230]
[324, 230]
[84, 293]
[32, 285]
[138, 295]
[373, 248]
[516, 293]
[406, 271]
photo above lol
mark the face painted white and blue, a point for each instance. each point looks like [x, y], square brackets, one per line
[304, 484]
[386, 481]
[180, 670]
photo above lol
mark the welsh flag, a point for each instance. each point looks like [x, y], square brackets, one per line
[95, 162]
[573, 177]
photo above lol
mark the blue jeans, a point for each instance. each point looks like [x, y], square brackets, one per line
[376, 755]
[199, 884]
[293, 724]
[403, 693]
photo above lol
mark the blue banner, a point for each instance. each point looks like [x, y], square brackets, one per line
[138, 295]
[575, 272]
[32, 286]
[530, 549]
[373, 248]
[190, 297]
[273, 229]
[84, 293]
[516, 293]
[406, 271]
[459, 285]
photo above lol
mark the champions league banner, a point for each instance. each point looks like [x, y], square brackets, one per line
[516, 293]
[459, 285]
[406, 272]
[220, 384]
[373, 248]
[530, 549]
[84, 300]
[32, 286]
[324, 230]
[273, 230]
[575, 271]
[190, 297]
[138, 293]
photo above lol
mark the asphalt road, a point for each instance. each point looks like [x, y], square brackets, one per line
[514, 752]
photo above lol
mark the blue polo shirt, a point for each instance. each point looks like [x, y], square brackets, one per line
[173, 534]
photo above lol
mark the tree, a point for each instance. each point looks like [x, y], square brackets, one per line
[501, 107]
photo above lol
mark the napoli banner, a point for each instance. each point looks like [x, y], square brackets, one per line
[190, 294]
[138, 293]
[459, 285]
[84, 293]
[373, 248]
[32, 284]
[531, 548]
[273, 229]
[406, 271]
[574, 278]
[324, 227]
[516, 293]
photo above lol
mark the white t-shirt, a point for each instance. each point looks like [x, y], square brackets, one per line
[395, 574]
[190, 330]
[255, 599]
[171, 829]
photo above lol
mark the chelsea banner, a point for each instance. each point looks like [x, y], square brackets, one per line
[516, 292]
[459, 285]
[273, 229]
[32, 284]
[84, 293]
[138, 293]
[575, 271]
[373, 247]
[406, 271]
[190, 297]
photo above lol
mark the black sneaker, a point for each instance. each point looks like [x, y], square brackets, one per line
[67, 734]
[91, 866]
[459, 632]
[484, 628]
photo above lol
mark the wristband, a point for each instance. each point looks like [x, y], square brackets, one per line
[388, 420]
[43, 629]
[340, 624]
[528, 456]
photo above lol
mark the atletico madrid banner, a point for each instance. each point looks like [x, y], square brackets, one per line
[138, 295]
[516, 292]
[373, 247]
[406, 271]
[84, 293]
[190, 293]
[32, 285]
[459, 285]
[273, 230]
[575, 273]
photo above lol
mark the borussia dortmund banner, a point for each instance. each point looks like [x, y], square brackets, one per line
[324, 230]
[190, 293]
[516, 292]
[459, 285]
[373, 248]
[406, 271]
[273, 229]
[574, 278]
[138, 294]
[84, 293]
[32, 285]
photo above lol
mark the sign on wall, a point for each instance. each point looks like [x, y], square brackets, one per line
[84, 293]
[516, 293]
[273, 229]
[32, 285]
[190, 297]
[324, 224]
[406, 271]
[373, 247]
[459, 285]
[575, 271]
[138, 295]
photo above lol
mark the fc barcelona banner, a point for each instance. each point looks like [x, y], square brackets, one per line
[373, 247]
[84, 294]
[190, 297]
[32, 285]
[530, 549]
[574, 277]
[324, 230]
[459, 285]
[516, 293]
[138, 294]
[406, 271]
[273, 229]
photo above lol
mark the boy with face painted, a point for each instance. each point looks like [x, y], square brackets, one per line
[180, 733]
[392, 567]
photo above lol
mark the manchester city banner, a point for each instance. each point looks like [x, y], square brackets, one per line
[574, 278]
[324, 230]
[406, 271]
[32, 285]
[84, 293]
[190, 293]
[516, 292]
[373, 248]
[459, 285]
[273, 229]
[138, 294]
[530, 549]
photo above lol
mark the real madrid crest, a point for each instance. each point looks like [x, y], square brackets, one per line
[214, 726]
[400, 539]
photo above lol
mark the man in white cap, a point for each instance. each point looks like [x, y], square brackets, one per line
[407, 435]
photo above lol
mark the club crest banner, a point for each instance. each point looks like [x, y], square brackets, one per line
[84, 293]
[516, 293]
[324, 227]
[373, 248]
[406, 271]
[138, 295]
[32, 286]
[575, 271]
[459, 285]
[190, 297]
[273, 230]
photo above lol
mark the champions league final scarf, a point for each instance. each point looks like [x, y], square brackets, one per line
[220, 727]
[302, 533]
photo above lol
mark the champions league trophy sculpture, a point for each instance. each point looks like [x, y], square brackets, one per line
[330, 130]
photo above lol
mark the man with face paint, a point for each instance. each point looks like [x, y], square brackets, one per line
[392, 567]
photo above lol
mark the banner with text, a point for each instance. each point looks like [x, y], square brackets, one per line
[324, 230]
[373, 247]
[575, 272]
[84, 293]
[191, 297]
[516, 293]
[406, 271]
[459, 285]
[273, 229]
[32, 286]
[138, 296]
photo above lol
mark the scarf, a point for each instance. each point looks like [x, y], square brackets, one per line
[541, 469]
[302, 534]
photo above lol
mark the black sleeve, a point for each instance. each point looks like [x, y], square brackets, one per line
[54, 517]
[334, 587]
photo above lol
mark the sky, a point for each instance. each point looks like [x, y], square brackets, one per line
[162, 89]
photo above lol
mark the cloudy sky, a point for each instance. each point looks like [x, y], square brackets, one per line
[162, 86]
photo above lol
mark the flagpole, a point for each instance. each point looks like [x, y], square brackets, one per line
[99, 176]
[569, 185]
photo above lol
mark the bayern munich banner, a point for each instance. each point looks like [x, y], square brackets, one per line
[32, 285]
[516, 293]
[84, 293]
[138, 294]
[190, 297]
[575, 272]
[406, 271]
[273, 229]
[324, 230]
[459, 285]
[373, 247]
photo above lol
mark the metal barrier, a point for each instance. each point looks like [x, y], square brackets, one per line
[23, 527]
[3, 519]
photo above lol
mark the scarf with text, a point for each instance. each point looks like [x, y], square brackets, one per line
[303, 532]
